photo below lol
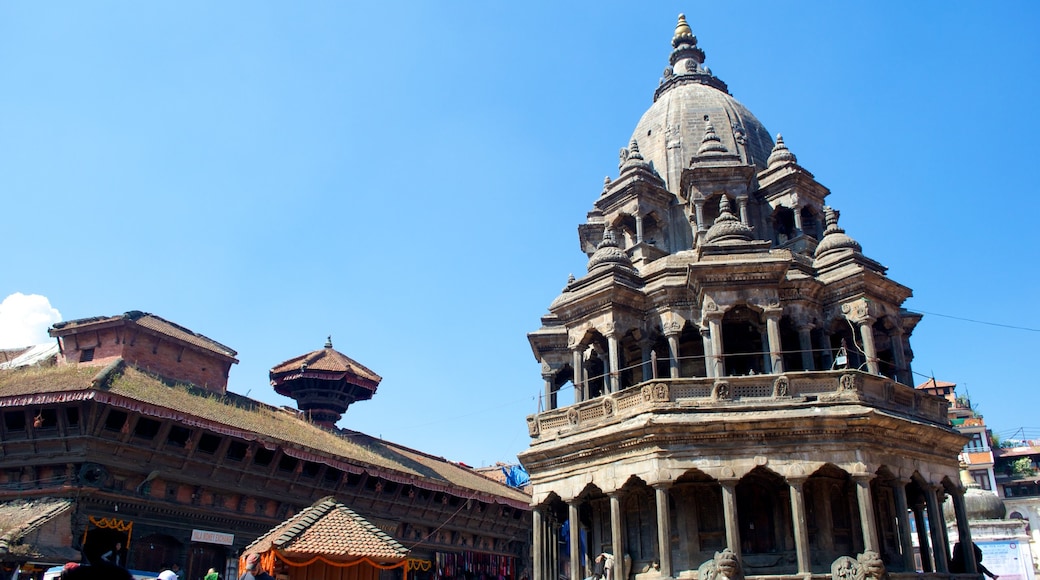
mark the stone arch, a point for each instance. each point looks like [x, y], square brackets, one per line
[782, 224]
[744, 345]
[639, 513]
[764, 515]
[832, 514]
[697, 518]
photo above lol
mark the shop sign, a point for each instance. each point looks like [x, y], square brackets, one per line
[208, 537]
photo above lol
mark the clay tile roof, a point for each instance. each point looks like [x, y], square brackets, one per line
[234, 415]
[328, 360]
[932, 383]
[20, 518]
[330, 529]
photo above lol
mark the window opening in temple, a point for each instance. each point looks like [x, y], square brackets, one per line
[46, 419]
[832, 514]
[790, 346]
[810, 224]
[310, 469]
[115, 420]
[691, 353]
[286, 463]
[263, 457]
[763, 501]
[72, 416]
[564, 392]
[146, 428]
[178, 436]
[596, 373]
[697, 516]
[640, 517]
[742, 342]
[710, 211]
[883, 346]
[783, 225]
[237, 451]
[630, 360]
[843, 332]
[886, 515]
[660, 347]
[86, 355]
[209, 443]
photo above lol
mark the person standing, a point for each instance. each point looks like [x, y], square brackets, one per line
[253, 569]
[212, 575]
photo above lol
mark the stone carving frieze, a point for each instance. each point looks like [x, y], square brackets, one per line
[532, 427]
[865, 566]
[655, 393]
[720, 391]
[573, 417]
[781, 387]
[608, 406]
[847, 383]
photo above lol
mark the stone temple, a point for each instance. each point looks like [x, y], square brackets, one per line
[728, 389]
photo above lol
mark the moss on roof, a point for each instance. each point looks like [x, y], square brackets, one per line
[250, 419]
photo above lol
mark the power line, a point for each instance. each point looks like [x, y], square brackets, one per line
[978, 321]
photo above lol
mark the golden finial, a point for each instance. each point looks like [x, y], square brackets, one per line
[681, 28]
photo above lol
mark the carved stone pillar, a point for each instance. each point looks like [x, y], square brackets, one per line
[613, 361]
[938, 529]
[617, 532]
[715, 330]
[673, 353]
[664, 529]
[538, 548]
[550, 394]
[742, 204]
[581, 392]
[940, 495]
[922, 538]
[798, 220]
[866, 332]
[805, 344]
[866, 512]
[960, 511]
[729, 510]
[639, 228]
[899, 356]
[698, 205]
[709, 368]
[776, 360]
[906, 545]
[801, 528]
[574, 530]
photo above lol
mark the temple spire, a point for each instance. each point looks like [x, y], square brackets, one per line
[780, 153]
[711, 143]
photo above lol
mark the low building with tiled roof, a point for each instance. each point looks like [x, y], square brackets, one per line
[179, 471]
[327, 534]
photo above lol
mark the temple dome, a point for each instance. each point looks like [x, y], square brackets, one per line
[671, 131]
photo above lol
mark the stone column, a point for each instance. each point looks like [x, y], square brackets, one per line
[776, 359]
[550, 394]
[709, 368]
[866, 332]
[613, 362]
[960, 511]
[805, 344]
[729, 510]
[922, 538]
[801, 527]
[715, 330]
[664, 529]
[639, 228]
[742, 204]
[616, 532]
[940, 493]
[574, 530]
[798, 220]
[866, 512]
[673, 353]
[938, 530]
[537, 549]
[581, 392]
[899, 356]
[698, 205]
[906, 544]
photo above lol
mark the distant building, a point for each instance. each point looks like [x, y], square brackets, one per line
[132, 427]
[977, 456]
[728, 388]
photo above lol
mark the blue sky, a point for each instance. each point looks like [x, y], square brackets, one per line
[409, 177]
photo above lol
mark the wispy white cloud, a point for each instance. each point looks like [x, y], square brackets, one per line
[24, 320]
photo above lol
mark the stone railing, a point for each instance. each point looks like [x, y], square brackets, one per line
[818, 388]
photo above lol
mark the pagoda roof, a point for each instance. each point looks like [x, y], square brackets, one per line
[326, 363]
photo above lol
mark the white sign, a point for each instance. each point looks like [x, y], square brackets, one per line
[212, 537]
